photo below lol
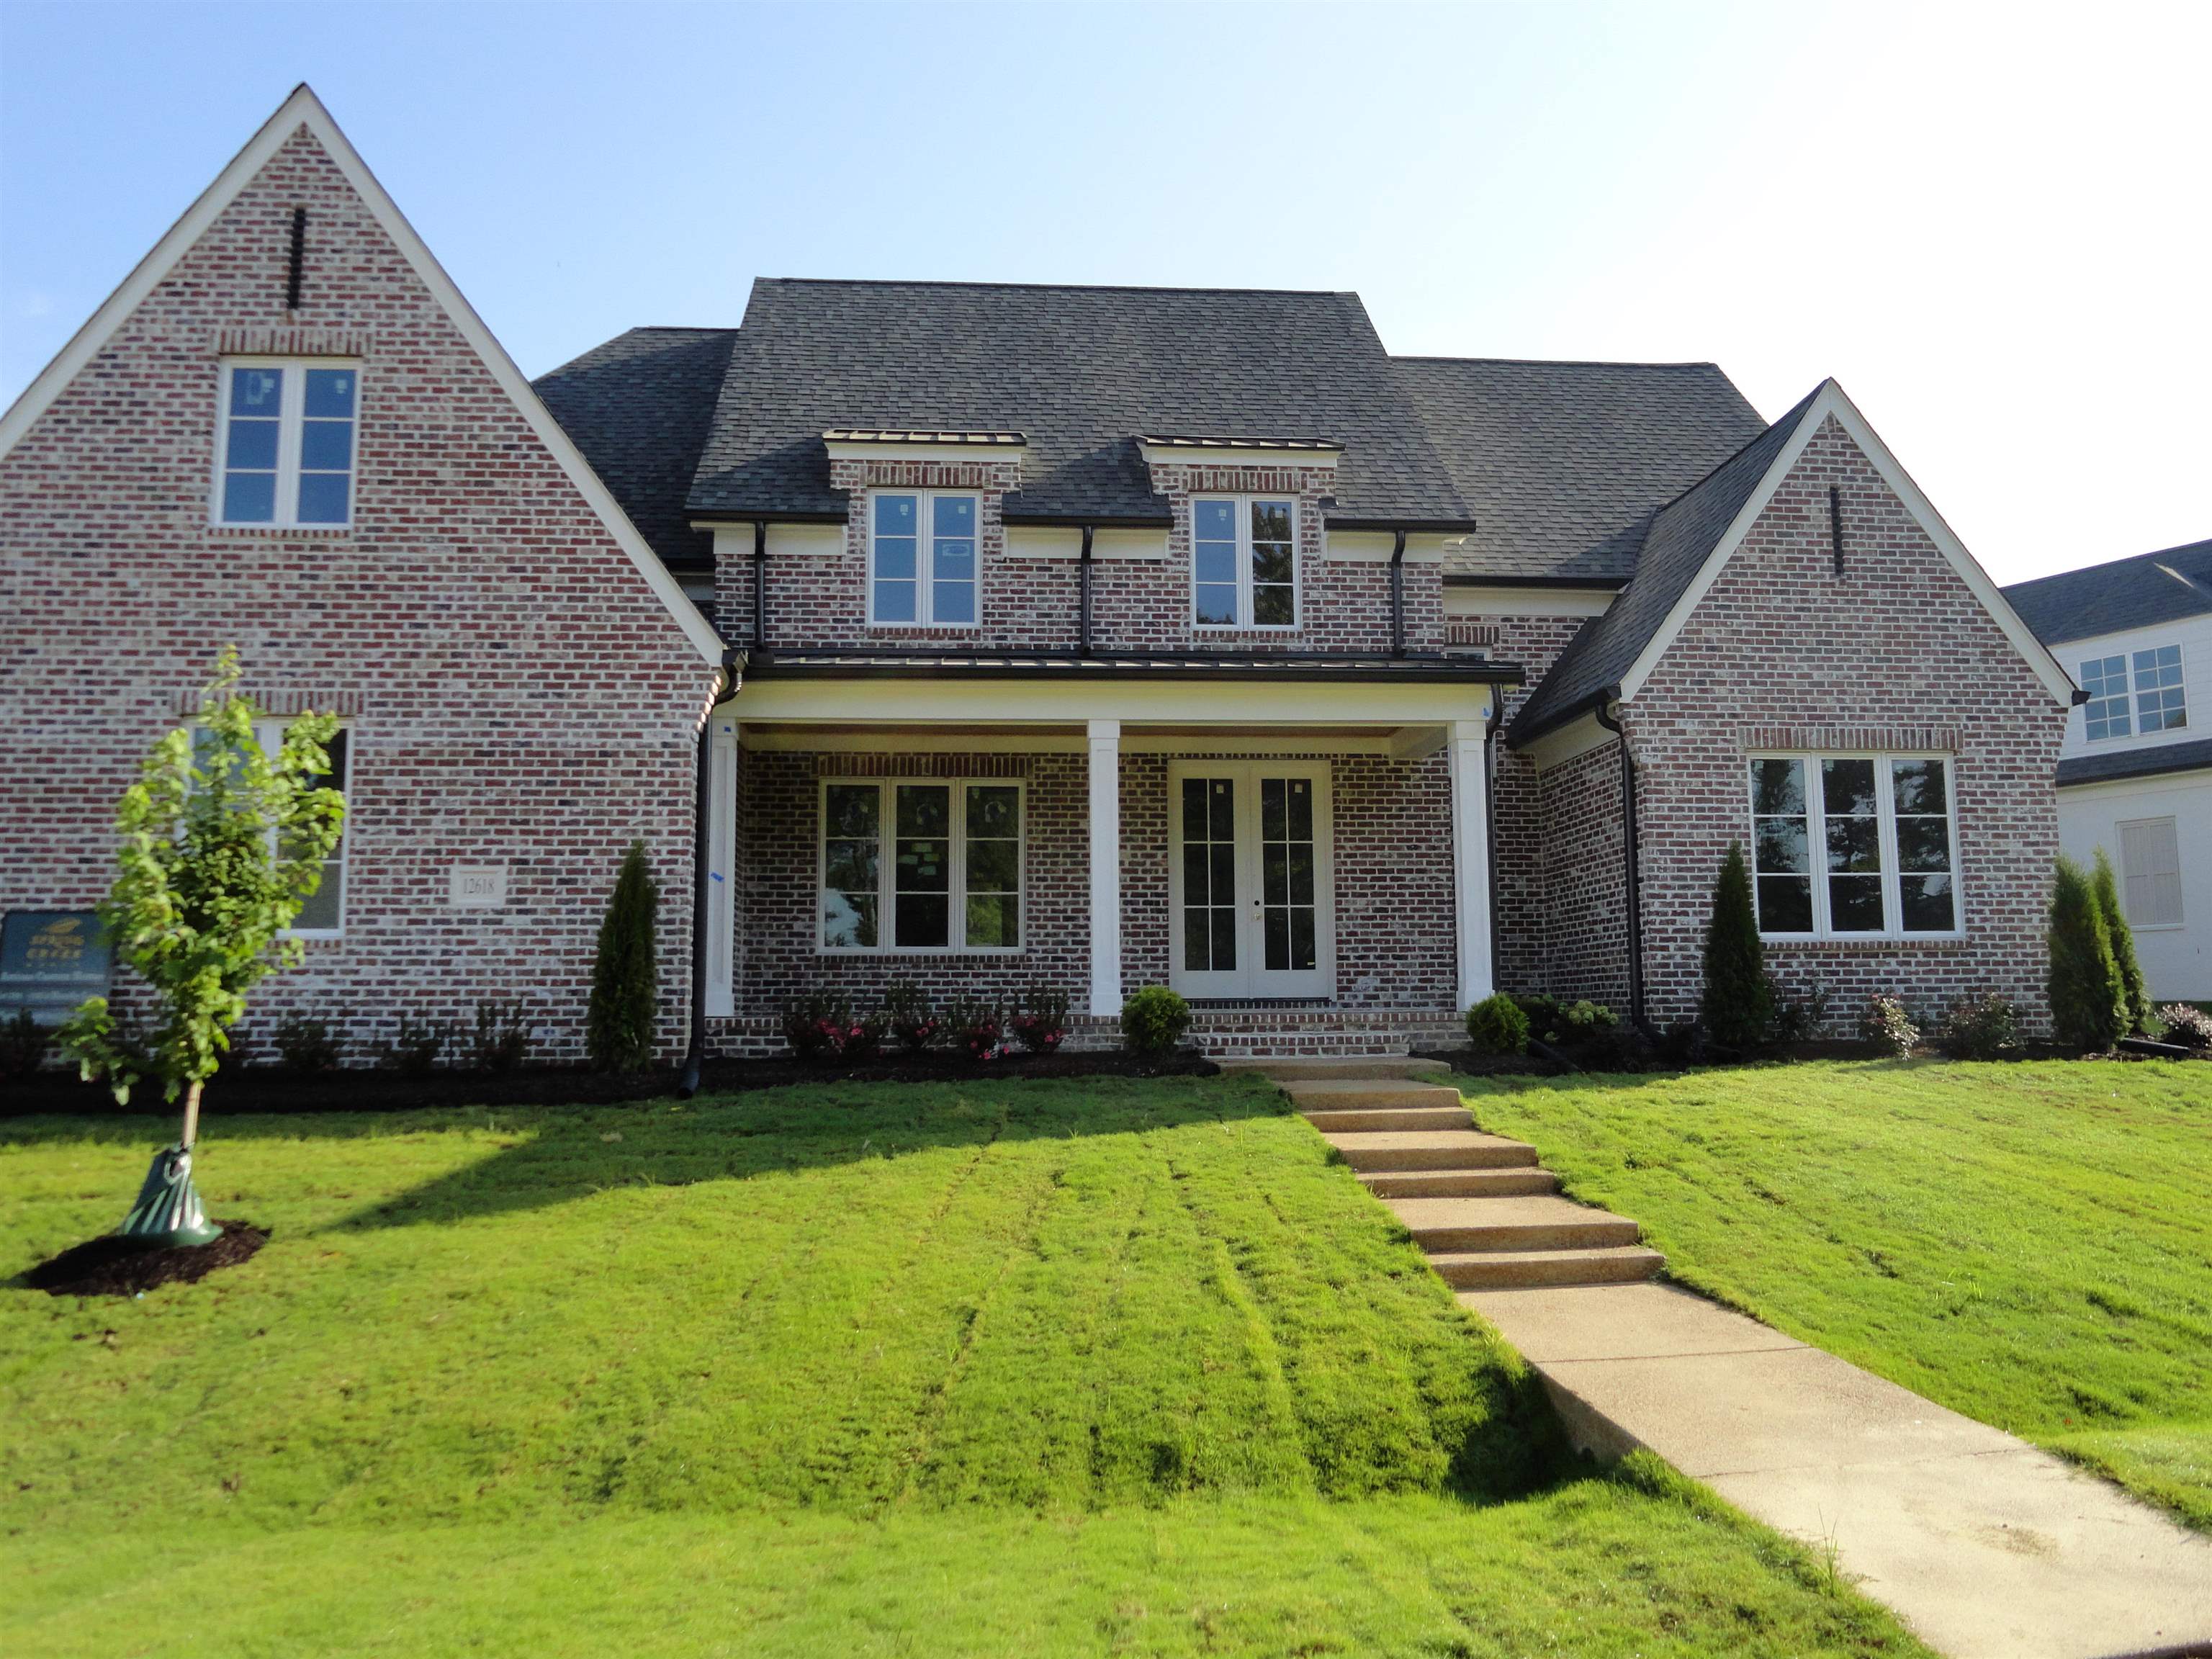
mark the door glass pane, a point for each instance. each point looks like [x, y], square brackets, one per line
[922, 873]
[995, 865]
[851, 849]
[1209, 886]
[1288, 924]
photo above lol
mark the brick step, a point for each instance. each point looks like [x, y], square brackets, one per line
[1375, 1120]
[1531, 1222]
[1324, 1067]
[1507, 1270]
[1352, 1094]
[1459, 1183]
[1432, 1149]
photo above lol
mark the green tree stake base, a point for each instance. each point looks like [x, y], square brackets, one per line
[168, 1211]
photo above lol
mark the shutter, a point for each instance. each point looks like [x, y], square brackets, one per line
[2150, 864]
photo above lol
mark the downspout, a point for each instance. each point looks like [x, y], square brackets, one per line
[1609, 718]
[1398, 596]
[1082, 596]
[694, 1058]
[760, 585]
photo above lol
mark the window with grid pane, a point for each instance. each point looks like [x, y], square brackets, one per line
[1851, 845]
[1243, 561]
[285, 452]
[923, 558]
[920, 865]
[2106, 680]
[1782, 856]
[2159, 704]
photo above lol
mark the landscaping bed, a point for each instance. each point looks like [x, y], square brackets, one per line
[115, 1266]
[279, 1089]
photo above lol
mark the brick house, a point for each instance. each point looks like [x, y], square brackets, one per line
[993, 635]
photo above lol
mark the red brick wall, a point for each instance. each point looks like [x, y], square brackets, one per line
[1781, 652]
[1582, 929]
[1033, 603]
[518, 694]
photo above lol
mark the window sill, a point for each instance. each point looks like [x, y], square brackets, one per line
[1860, 942]
[883, 951]
[1239, 628]
[317, 530]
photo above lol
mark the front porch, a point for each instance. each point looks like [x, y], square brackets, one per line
[1301, 847]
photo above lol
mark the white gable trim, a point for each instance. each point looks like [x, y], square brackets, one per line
[304, 109]
[1830, 401]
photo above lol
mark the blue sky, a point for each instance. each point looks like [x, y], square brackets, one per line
[1994, 233]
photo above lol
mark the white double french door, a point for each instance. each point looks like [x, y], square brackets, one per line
[1249, 895]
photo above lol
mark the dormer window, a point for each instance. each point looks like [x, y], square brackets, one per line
[286, 456]
[922, 558]
[1244, 565]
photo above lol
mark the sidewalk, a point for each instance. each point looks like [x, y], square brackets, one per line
[1988, 1548]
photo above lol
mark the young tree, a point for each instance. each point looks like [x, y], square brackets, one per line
[2088, 1003]
[1739, 1001]
[222, 844]
[625, 979]
[2120, 940]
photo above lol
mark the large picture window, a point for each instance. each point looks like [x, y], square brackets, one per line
[922, 554]
[1854, 846]
[921, 864]
[1244, 563]
[285, 456]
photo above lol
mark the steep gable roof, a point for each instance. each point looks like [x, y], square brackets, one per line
[303, 109]
[640, 407]
[1561, 462]
[1080, 371]
[2111, 598]
[1685, 544]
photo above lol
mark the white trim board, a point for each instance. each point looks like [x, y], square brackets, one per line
[1828, 401]
[304, 109]
[1529, 601]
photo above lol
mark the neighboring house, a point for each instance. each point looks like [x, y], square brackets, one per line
[2135, 775]
[993, 636]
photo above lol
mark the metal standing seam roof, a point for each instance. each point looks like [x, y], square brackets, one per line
[2141, 592]
[1672, 547]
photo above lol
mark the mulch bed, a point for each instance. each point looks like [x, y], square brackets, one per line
[115, 1266]
[273, 1089]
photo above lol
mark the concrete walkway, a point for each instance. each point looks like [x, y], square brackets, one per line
[1988, 1548]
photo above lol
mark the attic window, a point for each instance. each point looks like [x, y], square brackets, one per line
[285, 454]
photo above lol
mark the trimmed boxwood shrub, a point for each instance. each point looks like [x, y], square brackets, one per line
[1154, 1020]
[1739, 1000]
[1496, 1025]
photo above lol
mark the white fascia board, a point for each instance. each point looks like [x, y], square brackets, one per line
[1041, 541]
[853, 449]
[1374, 546]
[1010, 703]
[1830, 401]
[1529, 601]
[1227, 455]
[806, 541]
[304, 109]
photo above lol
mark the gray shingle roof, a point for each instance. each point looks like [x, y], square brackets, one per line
[639, 408]
[1081, 370]
[2191, 757]
[2109, 599]
[1561, 461]
[1671, 547]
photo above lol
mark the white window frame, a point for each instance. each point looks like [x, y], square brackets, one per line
[887, 870]
[1816, 843]
[1244, 624]
[2136, 692]
[290, 422]
[2173, 823]
[925, 558]
[269, 732]
[2125, 697]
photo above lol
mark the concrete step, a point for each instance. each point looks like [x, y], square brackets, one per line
[1459, 1183]
[1317, 1067]
[1375, 1120]
[1530, 1222]
[1352, 1094]
[1432, 1149]
[1506, 1270]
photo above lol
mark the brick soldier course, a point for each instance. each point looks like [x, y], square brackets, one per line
[541, 615]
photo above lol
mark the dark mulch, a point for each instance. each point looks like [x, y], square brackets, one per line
[1475, 1065]
[115, 1266]
[274, 1088]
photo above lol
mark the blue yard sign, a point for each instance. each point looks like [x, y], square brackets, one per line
[53, 960]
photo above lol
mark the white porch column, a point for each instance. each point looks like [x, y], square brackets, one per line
[722, 867]
[1470, 791]
[1106, 868]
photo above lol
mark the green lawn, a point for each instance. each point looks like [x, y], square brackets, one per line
[2029, 1244]
[1110, 1367]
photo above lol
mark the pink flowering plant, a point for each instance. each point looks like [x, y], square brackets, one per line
[1040, 1019]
